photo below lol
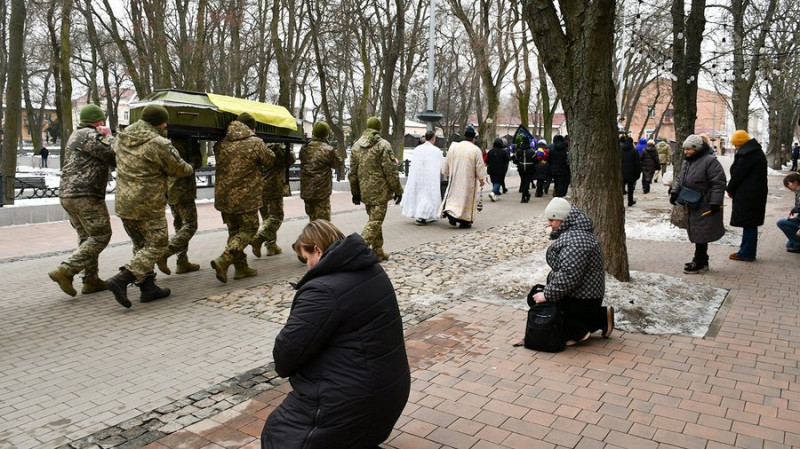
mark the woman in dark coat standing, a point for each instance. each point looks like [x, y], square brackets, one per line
[342, 349]
[631, 167]
[703, 173]
[650, 165]
[497, 165]
[748, 188]
[559, 166]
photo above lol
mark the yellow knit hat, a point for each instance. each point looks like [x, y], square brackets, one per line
[740, 137]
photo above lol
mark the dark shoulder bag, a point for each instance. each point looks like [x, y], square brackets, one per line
[544, 330]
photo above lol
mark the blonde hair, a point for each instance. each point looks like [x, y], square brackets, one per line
[318, 233]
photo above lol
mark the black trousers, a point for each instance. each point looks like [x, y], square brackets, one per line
[582, 316]
[701, 253]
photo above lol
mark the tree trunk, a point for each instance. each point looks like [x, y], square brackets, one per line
[13, 98]
[687, 36]
[579, 58]
[65, 52]
[744, 75]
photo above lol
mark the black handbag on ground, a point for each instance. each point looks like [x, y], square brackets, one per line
[544, 330]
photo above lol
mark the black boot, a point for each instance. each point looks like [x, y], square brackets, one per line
[119, 286]
[150, 291]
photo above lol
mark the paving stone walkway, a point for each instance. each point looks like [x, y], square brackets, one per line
[194, 370]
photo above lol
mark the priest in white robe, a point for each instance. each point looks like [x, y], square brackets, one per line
[423, 193]
[465, 170]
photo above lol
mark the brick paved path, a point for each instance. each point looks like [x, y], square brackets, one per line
[73, 367]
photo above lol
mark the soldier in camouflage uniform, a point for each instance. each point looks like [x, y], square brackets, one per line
[272, 192]
[241, 159]
[373, 180]
[82, 193]
[317, 158]
[145, 161]
[180, 196]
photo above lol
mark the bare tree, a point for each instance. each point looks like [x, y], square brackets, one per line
[687, 36]
[751, 21]
[486, 24]
[780, 91]
[576, 44]
[13, 98]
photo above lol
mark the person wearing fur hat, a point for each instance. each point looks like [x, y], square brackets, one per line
[317, 159]
[465, 170]
[374, 180]
[577, 279]
[82, 193]
[700, 172]
[146, 160]
[748, 189]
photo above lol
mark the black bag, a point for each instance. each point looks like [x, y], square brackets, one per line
[544, 330]
[689, 197]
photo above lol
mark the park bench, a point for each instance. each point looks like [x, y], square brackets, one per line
[36, 185]
[206, 174]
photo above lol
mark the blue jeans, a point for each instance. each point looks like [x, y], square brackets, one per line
[790, 227]
[496, 188]
[747, 250]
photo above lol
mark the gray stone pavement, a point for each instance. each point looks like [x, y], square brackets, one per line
[73, 367]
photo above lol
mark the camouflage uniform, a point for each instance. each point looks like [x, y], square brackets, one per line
[145, 161]
[272, 192]
[241, 159]
[373, 177]
[181, 197]
[317, 158]
[82, 193]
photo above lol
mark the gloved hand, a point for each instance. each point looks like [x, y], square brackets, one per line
[714, 208]
[398, 198]
[356, 199]
[673, 198]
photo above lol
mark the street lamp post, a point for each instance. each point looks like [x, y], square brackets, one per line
[428, 115]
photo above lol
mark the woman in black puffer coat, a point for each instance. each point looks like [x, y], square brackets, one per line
[748, 188]
[342, 349]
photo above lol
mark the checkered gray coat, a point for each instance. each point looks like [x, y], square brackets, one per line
[576, 260]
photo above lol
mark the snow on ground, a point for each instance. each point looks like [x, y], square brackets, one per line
[650, 303]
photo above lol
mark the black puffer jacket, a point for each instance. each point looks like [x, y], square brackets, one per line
[576, 260]
[558, 156]
[631, 162]
[748, 185]
[344, 353]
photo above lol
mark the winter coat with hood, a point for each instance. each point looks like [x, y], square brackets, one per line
[344, 353]
[649, 161]
[241, 159]
[524, 157]
[373, 170]
[559, 157]
[703, 173]
[497, 161]
[145, 161]
[631, 162]
[748, 185]
[576, 260]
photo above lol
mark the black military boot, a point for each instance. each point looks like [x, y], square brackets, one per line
[119, 286]
[150, 291]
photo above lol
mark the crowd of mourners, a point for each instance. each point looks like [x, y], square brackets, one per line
[342, 346]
